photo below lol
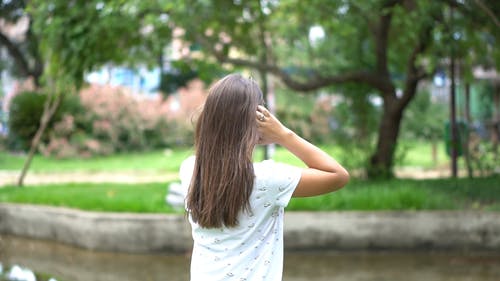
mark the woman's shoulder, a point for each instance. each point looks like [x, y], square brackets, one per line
[263, 166]
[269, 163]
[186, 168]
[270, 168]
[188, 161]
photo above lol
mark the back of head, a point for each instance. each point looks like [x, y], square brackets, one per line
[226, 134]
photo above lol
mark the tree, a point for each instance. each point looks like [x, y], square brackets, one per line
[388, 45]
[22, 52]
[78, 36]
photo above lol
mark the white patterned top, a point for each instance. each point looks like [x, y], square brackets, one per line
[254, 249]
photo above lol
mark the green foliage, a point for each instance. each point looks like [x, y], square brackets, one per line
[424, 119]
[182, 71]
[295, 111]
[484, 156]
[79, 36]
[356, 120]
[3, 142]
[25, 112]
[481, 104]
[391, 45]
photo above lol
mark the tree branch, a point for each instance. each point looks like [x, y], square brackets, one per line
[381, 37]
[16, 54]
[38, 65]
[470, 12]
[369, 22]
[377, 80]
[314, 81]
[413, 73]
[488, 12]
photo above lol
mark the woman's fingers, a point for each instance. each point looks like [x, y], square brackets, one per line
[263, 110]
[260, 116]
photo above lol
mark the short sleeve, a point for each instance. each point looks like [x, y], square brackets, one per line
[186, 172]
[282, 179]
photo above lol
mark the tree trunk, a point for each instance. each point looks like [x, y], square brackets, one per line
[434, 152]
[382, 161]
[453, 121]
[49, 109]
[496, 122]
[466, 143]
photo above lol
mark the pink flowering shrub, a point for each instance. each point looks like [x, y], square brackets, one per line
[121, 120]
[111, 120]
[66, 126]
[59, 147]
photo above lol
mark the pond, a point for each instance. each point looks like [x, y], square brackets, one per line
[48, 261]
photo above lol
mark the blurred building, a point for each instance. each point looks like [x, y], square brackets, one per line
[141, 81]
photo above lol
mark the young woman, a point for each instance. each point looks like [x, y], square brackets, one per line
[235, 207]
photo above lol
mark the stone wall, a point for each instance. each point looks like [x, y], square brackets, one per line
[150, 233]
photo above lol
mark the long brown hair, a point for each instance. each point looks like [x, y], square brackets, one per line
[225, 136]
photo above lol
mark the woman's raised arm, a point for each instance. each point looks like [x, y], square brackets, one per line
[323, 175]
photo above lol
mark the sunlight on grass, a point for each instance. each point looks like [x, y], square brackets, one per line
[140, 198]
[375, 197]
[416, 155]
[164, 160]
[442, 194]
[419, 154]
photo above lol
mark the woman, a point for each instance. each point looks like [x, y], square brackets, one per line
[235, 207]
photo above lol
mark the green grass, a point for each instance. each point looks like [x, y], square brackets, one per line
[140, 198]
[417, 155]
[397, 194]
[481, 193]
[164, 160]
[442, 194]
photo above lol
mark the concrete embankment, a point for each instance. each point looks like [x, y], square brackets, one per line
[149, 233]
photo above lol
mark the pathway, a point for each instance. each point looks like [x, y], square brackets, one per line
[10, 177]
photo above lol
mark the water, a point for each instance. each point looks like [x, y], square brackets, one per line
[65, 263]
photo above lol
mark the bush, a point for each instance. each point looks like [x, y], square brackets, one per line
[124, 122]
[26, 110]
[424, 118]
[101, 120]
[3, 142]
[113, 121]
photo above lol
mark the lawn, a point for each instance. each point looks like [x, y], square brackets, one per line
[407, 194]
[153, 161]
[396, 194]
[417, 154]
[140, 198]
[441, 194]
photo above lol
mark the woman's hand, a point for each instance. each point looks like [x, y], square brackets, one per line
[323, 175]
[270, 128]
